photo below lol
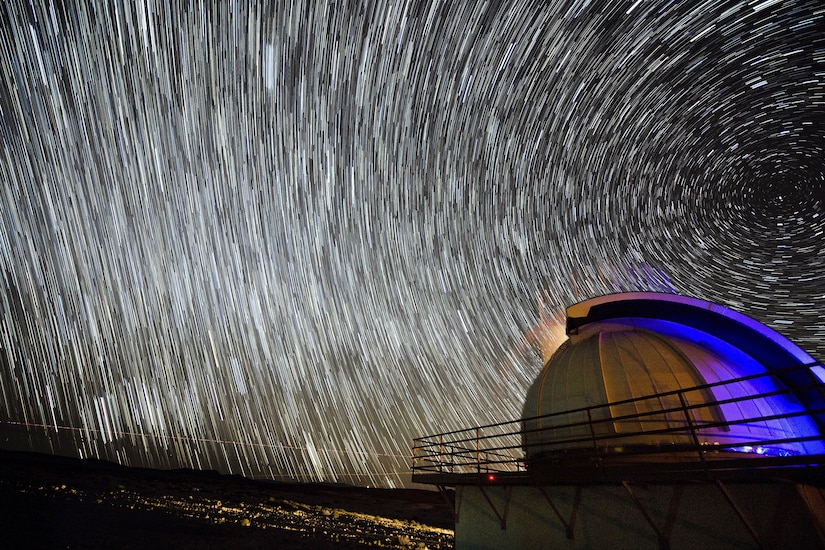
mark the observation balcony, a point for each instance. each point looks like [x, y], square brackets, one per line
[659, 438]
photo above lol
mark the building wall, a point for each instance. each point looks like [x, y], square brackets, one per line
[783, 516]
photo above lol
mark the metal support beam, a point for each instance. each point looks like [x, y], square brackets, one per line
[663, 534]
[814, 499]
[740, 513]
[502, 517]
[571, 523]
[450, 504]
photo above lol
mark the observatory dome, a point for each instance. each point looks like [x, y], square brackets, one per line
[648, 369]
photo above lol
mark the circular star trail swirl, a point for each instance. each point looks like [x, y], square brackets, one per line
[282, 241]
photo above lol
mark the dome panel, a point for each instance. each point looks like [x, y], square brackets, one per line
[637, 363]
[574, 384]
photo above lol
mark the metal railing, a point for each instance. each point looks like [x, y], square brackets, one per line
[703, 428]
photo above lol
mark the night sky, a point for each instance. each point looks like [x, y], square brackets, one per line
[284, 241]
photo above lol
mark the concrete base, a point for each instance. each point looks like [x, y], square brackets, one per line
[701, 515]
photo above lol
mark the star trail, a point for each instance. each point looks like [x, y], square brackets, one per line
[282, 239]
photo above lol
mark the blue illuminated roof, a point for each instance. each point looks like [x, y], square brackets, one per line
[692, 317]
[749, 335]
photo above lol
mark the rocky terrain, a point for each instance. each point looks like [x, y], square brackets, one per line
[56, 502]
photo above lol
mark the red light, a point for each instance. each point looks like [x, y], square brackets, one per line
[491, 477]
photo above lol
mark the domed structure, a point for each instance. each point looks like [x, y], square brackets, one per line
[647, 369]
[662, 421]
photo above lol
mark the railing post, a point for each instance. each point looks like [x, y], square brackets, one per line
[691, 427]
[478, 450]
[593, 438]
[441, 453]
[818, 385]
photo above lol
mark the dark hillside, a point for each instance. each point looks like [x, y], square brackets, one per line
[57, 502]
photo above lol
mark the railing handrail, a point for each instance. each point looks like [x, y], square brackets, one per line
[503, 443]
[813, 385]
[702, 424]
